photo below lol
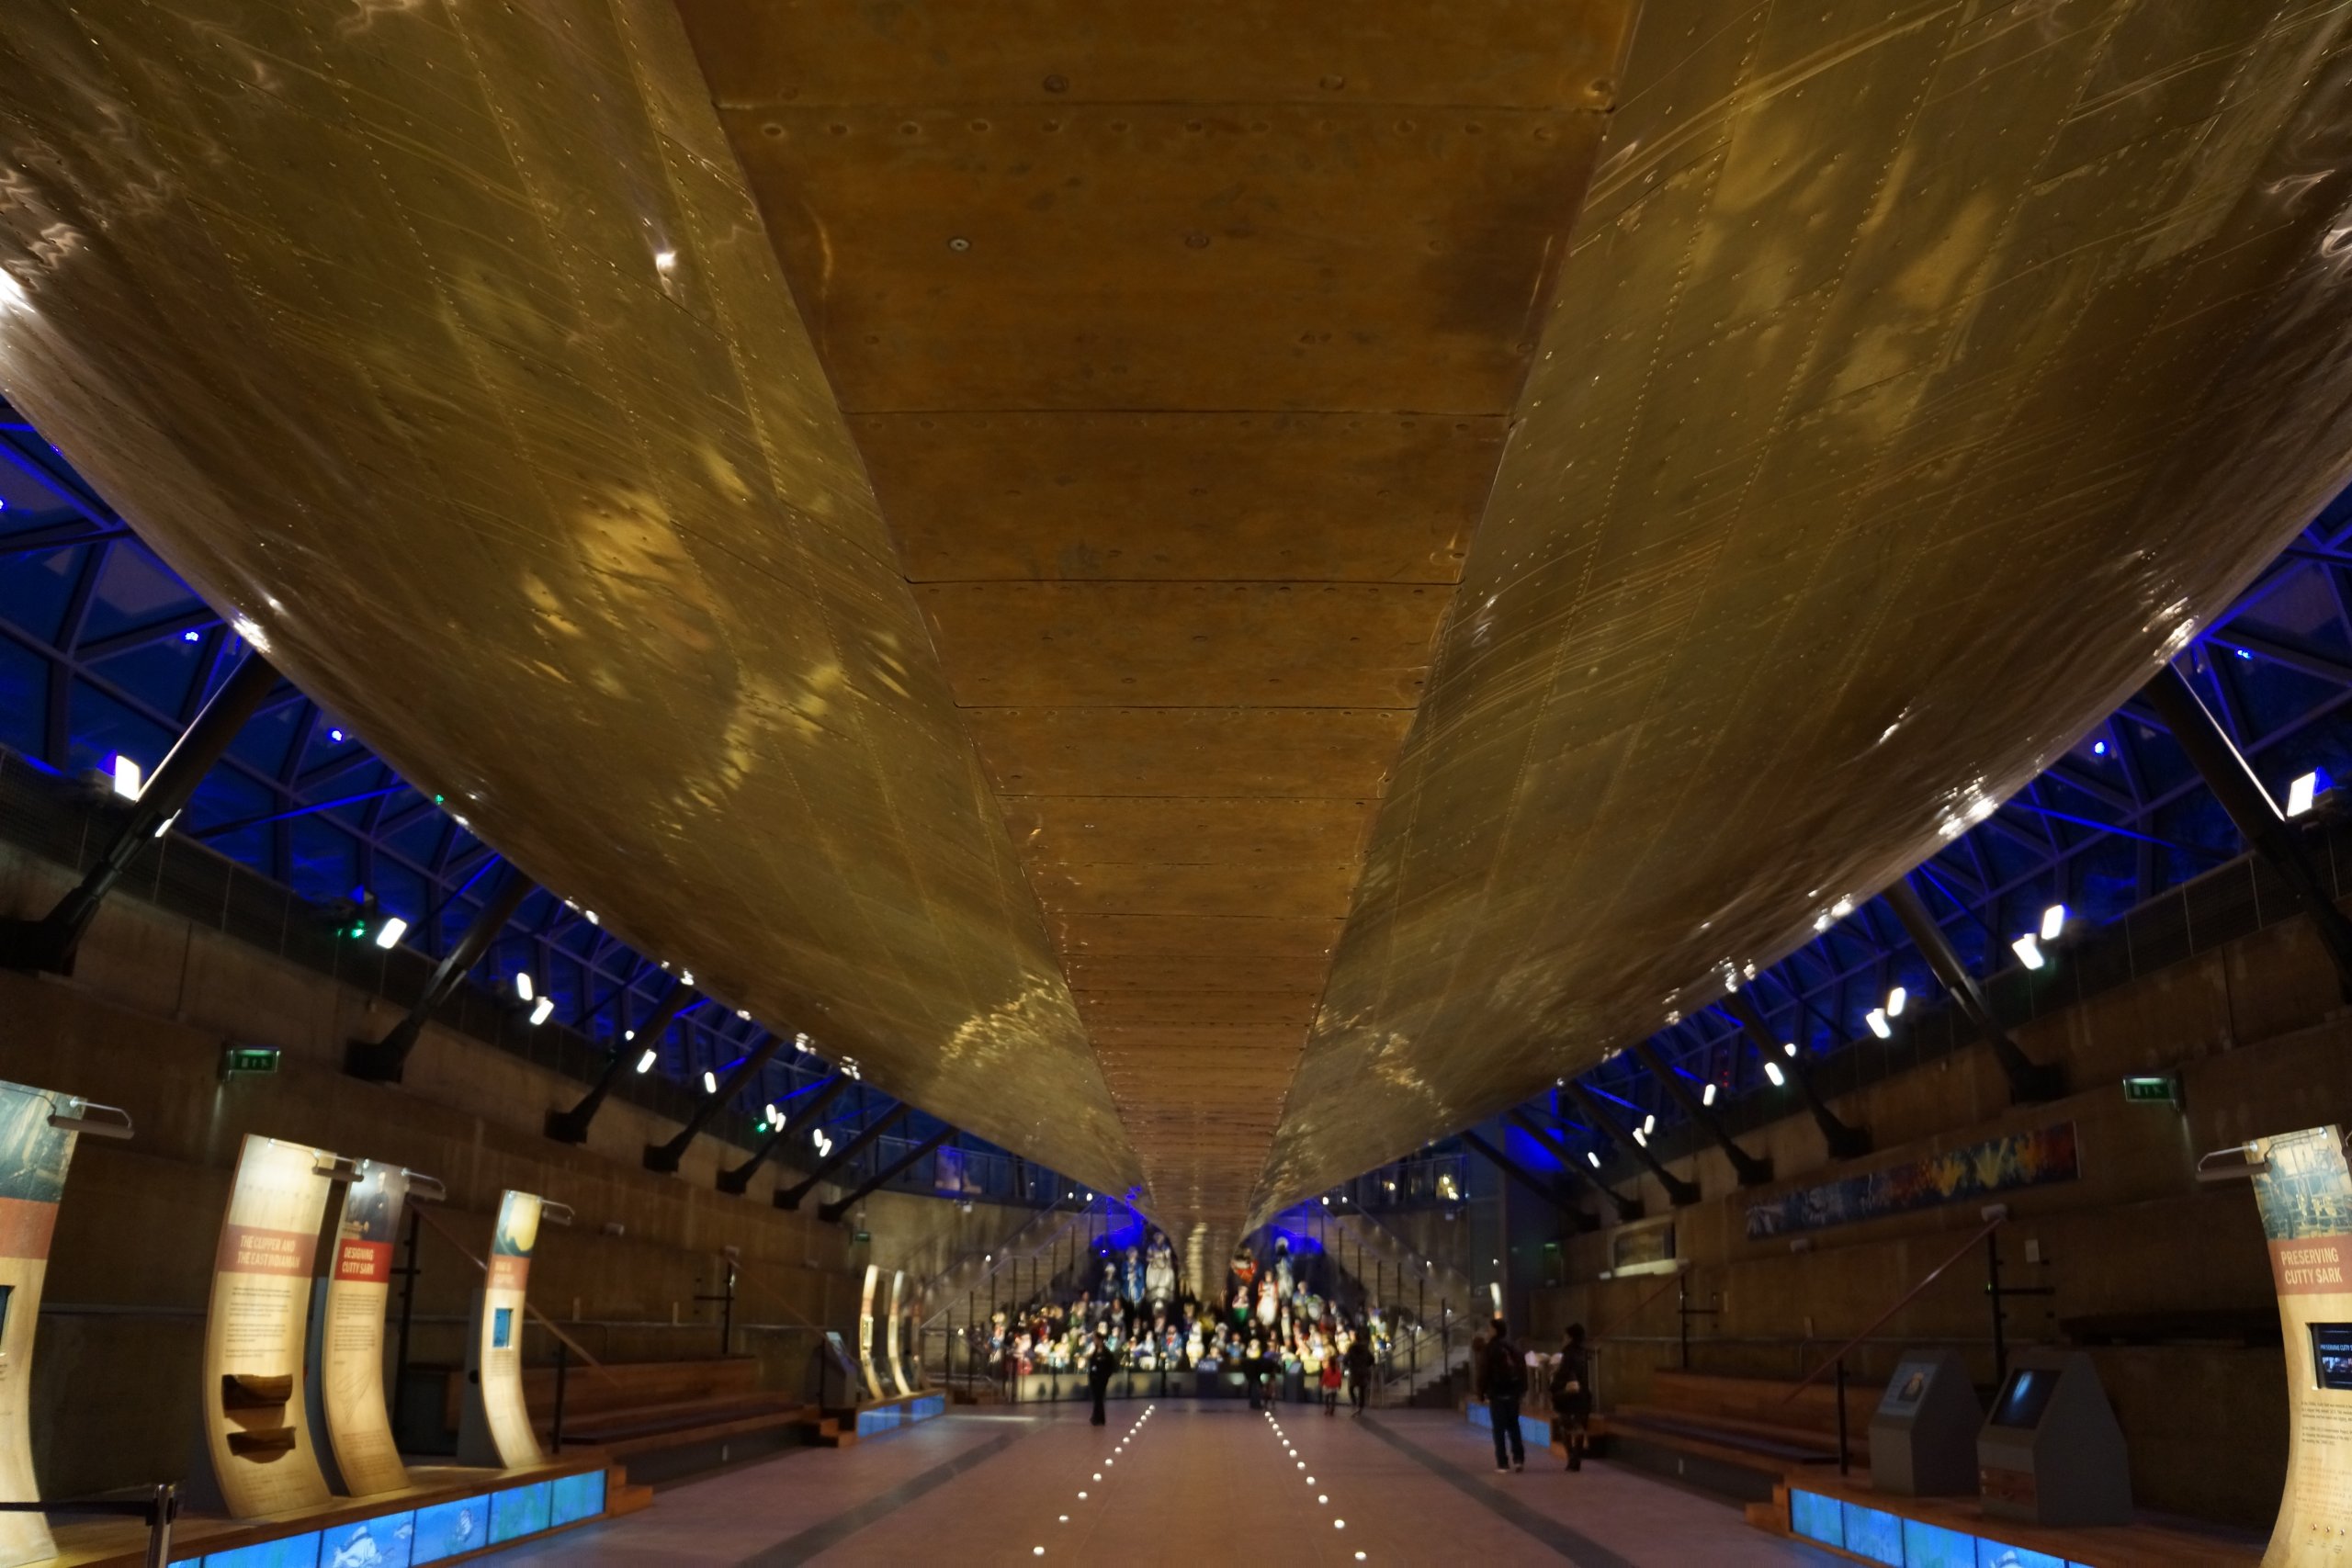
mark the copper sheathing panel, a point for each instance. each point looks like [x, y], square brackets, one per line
[1919, 375]
[1180, 343]
[442, 345]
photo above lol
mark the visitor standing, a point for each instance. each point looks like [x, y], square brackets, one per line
[1506, 1383]
[1099, 1368]
[1572, 1396]
[1359, 1370]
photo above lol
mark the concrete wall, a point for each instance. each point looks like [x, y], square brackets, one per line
[140, 1024]
[2258, 1031]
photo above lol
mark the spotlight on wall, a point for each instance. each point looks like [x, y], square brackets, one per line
[2054, 922]
[1896, 1000]
[523, 984]
[2299, 794]
[127, 777]
[389, 934]
[539, 1013]
[709, 1081]
[1649, 1123]
[774, 1120]
[1593, 1157]
[1641, 1137]
[645, 1063]
[1788, 1047]
[1707, 1095]
[1876, 1018]
[1772, 1071]
[2029, 951]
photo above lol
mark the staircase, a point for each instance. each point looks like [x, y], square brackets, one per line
[1022, 1263]
[1366, 1237]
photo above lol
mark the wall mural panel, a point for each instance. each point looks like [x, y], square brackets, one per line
[1997, 1165]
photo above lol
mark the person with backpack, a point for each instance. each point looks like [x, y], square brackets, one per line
[1572, 1396]
[1506, 1384]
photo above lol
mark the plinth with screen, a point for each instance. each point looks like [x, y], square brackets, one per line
[2051, 1452]
[1923, 1434]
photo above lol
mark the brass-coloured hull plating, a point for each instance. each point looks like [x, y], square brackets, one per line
[1914, 377]
[440, 346]
[1921, 374]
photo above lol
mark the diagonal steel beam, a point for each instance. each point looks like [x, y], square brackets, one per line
[790, 1197]
[737, 1179]
[2031, 1082]
[49, 944]
[1627, 1206]
[664, 1157]
[832, 1213]
[1751, 1170]
[1845, 1141]
[2251, 809]
[1678, 1192]
[1521, 1174]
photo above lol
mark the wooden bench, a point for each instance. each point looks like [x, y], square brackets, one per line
[1736, 1436]
[666, 1417]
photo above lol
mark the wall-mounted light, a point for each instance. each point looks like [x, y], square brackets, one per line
[1707, 1096]
[1772, 1071]
[2054, 922]
[1788, 1047]
[1641, 1137]
[2029, 951]
[1593, 1157]
[523, 984]
[1896, 1000]
[709, 1081]
[1876, 1018]
[645, 1063]
[1649, 1123]
[127, 777]
[2301, 794]
[539, 1013]
[389, 934]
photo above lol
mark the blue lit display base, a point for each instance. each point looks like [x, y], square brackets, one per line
[1535, 1429]
[451, 1515]
[1951, 1537]
[873, 1420]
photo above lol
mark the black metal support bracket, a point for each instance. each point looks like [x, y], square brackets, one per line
[382, 1061]
[665, 1157]
[1521, 1174]
[2250, 808]
[51, 943]
[1627, 1206]
[1678, 1192]
[737, 1179]
[2031, 1082]
[572, 1126]
[1751, 1170]
[832, 1213]
[1845, 1141]
[790, 1197]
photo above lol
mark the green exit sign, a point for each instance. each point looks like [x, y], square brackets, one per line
[248, 1059]
[862, 1236]
[2164, 1089]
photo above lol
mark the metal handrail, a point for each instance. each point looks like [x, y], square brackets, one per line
[1932, 1275]
[1005, 1256]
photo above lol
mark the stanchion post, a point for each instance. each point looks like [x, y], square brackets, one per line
[1845, 1464]
[563, 1376]
[407, 1272]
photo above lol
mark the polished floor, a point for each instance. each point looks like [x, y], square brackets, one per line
[1184, 1484]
